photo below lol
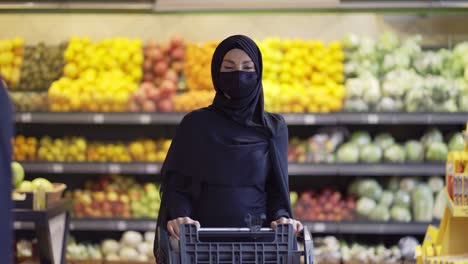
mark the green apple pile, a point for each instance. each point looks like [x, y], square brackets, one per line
[28, 186]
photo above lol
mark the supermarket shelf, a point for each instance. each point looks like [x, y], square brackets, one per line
[295, 169]
[377, 228]
[91, 167]
[291, 119]
[407, 169]
[113, 224]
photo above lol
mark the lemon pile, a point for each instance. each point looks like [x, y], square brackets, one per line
[98, 76]
[11, 59]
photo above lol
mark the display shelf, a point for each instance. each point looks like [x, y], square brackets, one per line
[291, 119]
[295, 169]
[91, 167]
[370, 228]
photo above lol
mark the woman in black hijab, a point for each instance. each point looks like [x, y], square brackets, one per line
[228, 160]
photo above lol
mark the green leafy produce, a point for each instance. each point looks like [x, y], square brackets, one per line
[393, 184]
[414, 150]
[370, 188]
[389, 104]
[380, 213]
[384, 140]
[407, 184]
[351, 41]
[432, 135]
[355, 105]
[437, 151]
[361, 138]
[402, 199]
[371, 154]
[353, 188]
[439, 205]
[418, 100]
[423, 203]
[387, 42]
[395, 153]
[436, 183]
[365, 206]
[400, 214]
[396, 60]
[348, 152]
[429, 62]
[457, 142]
[386, 198]
[407, 247]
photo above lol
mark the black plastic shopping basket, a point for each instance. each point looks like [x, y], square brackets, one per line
[238, 245]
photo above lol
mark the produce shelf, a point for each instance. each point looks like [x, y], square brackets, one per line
[379, 228]
[295, 169]
[291, 119]
[91, 167]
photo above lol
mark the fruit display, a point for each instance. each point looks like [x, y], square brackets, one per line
[309, 76]
[42, 65]
[62, 149]
[324, 205]
[391, 75]
[30, 101]
[24, 148]
[115, 196]
[98, 76]
[148, 150]
[403, 200]
[149, 98]
[193, 99]
[133, 246]
[197, 67]
[330, 250]
[11, 59]
[110, 152]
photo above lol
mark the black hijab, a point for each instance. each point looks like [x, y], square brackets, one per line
[214, 144]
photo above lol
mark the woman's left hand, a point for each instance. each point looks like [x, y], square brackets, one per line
[283, 220]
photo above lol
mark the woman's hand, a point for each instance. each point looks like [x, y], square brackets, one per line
[297, 226]
[173, 225]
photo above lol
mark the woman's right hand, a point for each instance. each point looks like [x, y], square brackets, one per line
[173, 225]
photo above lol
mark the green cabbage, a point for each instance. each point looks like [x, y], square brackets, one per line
[393, 184]
[348, 152]
[414, 150]
[386, 198]
[370, 188]
[457, 142]
[402, 199]
[432, 135]
[422, 203]
[384, 140]
[395, 153]
[361, 138]
[436, 183]
[365, 206]
[371, 154]
[400, 214]
[380, 213]
[437, 151]
[439, 205]
[407, 184]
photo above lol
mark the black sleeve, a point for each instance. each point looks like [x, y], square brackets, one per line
[277, 204]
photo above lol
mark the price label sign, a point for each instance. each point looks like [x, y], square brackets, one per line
[319, 227]
[309, 119]
[26, 117]
[122, 225]
[145, 119]
[115, 168]
[152, 169]
[372, 119]
[57, 168]
[98, 118]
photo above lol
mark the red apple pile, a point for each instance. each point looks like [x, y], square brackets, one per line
[162, 68]
[326, 205]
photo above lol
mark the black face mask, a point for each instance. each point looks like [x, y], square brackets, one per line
[238, 84]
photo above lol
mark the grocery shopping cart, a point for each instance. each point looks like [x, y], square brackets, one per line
[238, 245]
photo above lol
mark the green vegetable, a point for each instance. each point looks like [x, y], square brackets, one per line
[422, 203]
[395, 153]
[388, 104]
[371, 154]
[351, 41]
[386, 198]
[439, 205]
[402, 199]
[393, 184]
[436, 184]
[414, 150]
[408, 184]
[365, 206]
[429, 62]
[384, 140]
[354, 187]
[387, 42]
[370, 188]
[380, 213]
[395, 60]
[432, 135]
[437, 151]
[361, 138]
[400, 214]
[355, 105]
[348, 152]
[457, 142]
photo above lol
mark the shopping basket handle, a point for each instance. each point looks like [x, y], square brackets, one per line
[308, 246]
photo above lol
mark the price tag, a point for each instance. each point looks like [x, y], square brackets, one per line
[26, 117]
[115, 168]
[372, 119]
[98, 118]
[17, 225]
[57, 168]
[121, 225]
[309, 119]
[71, 226]
[145, 119]
[319, 227]
[152, 169]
